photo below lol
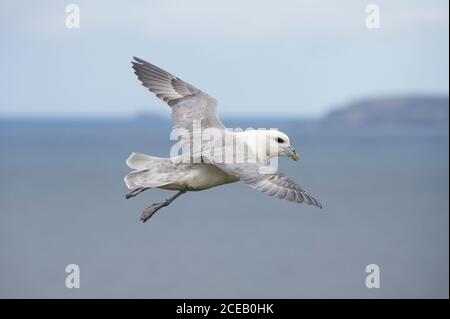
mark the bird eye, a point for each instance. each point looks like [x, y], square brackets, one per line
[279, 140]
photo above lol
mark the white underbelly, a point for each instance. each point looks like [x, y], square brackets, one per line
[201, 176]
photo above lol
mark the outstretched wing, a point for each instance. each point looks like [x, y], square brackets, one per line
[188, 103]
[279, 185]
[264, 178]
[269, 181]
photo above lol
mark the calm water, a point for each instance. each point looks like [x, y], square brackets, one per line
[386, 199]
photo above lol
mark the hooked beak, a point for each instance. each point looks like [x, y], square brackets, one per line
[290, 151]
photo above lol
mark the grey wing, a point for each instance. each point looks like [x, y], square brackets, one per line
[281, 186]
[187, 102]
[273, 183]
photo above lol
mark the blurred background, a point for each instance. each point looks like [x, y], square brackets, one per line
[367, 108]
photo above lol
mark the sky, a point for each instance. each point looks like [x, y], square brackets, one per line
[258, 58]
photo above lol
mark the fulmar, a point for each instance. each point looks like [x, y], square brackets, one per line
[229, 157]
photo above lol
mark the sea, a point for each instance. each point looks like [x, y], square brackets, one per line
[385, 195]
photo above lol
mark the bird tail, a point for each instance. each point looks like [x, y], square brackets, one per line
[151, 171]
[140, 161]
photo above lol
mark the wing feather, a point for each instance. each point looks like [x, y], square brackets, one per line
[188, 103]
[274, 184]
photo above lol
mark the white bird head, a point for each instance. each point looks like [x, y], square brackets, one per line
[270, 143]
[280, 145]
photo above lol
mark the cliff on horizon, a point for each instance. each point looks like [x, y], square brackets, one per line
[396, 112]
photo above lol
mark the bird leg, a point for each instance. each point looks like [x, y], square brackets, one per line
[149, 211]
[136, 192]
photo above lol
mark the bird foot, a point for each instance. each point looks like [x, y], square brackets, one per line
[149, 211]
[129, 195]
[136, 192]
